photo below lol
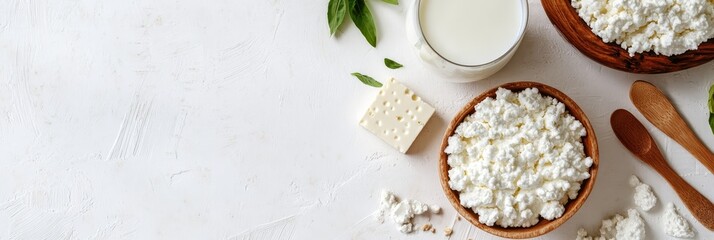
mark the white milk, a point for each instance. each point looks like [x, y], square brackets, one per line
[471, 32]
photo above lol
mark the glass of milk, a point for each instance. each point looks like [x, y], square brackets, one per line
[467, 40]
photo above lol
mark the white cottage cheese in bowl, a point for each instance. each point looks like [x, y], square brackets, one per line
[665, 27]
[518, 158]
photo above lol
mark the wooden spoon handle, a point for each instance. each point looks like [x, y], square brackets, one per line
[658, 109]
[695, 146]
[700, 206]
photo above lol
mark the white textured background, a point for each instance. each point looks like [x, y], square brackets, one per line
[226, 119]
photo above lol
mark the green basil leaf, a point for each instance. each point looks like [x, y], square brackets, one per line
[392, 64]
[711, 121]
[711, 99]
[367, 80]
[362, 17]
[336, 11]
[395, 2]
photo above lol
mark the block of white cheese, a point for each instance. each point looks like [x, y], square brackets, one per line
[397, 115]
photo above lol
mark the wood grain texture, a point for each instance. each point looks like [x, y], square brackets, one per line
[657, 109]
[565, 18]
[543, 226]
[635, 137]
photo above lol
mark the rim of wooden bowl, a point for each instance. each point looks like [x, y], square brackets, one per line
[576, 32]
[543, 226]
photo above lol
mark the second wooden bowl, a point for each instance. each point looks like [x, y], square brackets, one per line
[543, 226]
[565, 18]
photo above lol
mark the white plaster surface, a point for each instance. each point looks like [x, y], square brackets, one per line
[228, 119]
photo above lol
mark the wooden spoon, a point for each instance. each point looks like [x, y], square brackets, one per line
[635, 137]
[655, 106]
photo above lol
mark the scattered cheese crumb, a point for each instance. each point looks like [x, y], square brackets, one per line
[634, 181]
[644, 197]
[631, 227]
[674, 224]
[401, 212]
[434, 208]
[448, 231]
[427, 227]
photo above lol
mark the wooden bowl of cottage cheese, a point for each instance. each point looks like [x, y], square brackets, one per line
[519, 160]
[658, 36]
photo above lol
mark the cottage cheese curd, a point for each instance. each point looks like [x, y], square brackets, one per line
[644, 197]
[665, 27]
[631, 227]
[518, 157]
[402, 212]
[674, 224]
